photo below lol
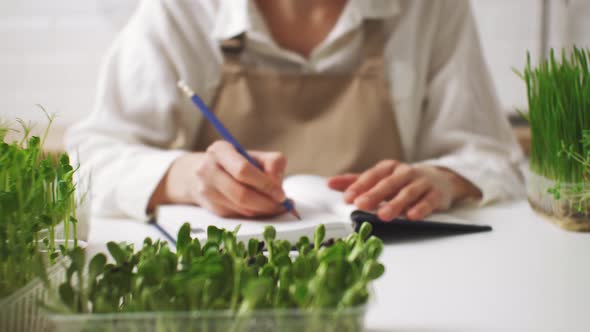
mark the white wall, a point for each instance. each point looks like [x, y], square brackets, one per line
[580, 11]
[50, 50]
[571, 23]
[511, 27]
[508, 29]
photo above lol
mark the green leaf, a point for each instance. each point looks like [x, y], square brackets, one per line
[214, 235]
[34, 142]
[257, 289]
[184, 237]
[282, 259]
[304, 240]
[78, 258]
[229, 242]
[320, 233]
[373, 270]
[365, 230]
[354, 296]
[195, 247]
[253, 247]
[147, 242]
[267, 271]
[374, 247]
[300, 293]
[210, 248]
[269, 234]
[236, 230]
[96, 266]
[285, 277]
[66, 294]
[64, 159]
[518, 73]
[116, 252]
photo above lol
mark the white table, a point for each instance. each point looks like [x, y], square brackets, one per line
[525, 275]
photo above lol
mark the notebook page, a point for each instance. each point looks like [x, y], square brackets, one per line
[315, 203]
[313, 190]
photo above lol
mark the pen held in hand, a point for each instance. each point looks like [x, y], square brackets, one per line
[288, 204]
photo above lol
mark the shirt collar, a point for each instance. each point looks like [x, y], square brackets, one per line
[235, 17]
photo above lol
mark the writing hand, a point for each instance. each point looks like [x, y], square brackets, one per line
[224, 182]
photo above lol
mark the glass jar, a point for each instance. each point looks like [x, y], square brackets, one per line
[565, 204]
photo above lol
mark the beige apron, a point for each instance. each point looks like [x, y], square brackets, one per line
[324, 124]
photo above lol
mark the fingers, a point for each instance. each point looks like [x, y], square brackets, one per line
[404, 199]
[243, 197]
[428, 204]
[369, 179]
[221, 206]
[341, 182]
[387, 188]
[241, 170]
[228, 185]
[273, 163]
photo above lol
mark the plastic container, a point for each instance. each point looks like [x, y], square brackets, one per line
[569, 210]
[325, 320]
[19, 312]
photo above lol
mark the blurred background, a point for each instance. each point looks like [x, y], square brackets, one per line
[50, 51]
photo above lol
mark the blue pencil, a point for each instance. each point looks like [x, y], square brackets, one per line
[287, 203]
[166, 234]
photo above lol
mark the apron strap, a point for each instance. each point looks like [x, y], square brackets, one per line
[374, 38]
[374, 43]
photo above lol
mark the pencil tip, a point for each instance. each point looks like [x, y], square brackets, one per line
[296, 214]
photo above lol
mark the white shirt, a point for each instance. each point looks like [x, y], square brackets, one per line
[444, 101]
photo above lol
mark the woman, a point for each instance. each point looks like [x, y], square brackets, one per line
[391, 99]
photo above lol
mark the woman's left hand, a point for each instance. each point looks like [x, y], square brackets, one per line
[416, 191]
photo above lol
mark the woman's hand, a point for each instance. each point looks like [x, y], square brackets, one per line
[394, 188]
[222, 181]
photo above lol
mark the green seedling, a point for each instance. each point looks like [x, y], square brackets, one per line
[36, 196]
[225, 275]
[558, 92]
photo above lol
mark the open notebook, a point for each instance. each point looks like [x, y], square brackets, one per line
[316, 204]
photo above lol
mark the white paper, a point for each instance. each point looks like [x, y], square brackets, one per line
[315, 202]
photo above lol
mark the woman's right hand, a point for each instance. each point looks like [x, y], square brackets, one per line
[222, 181]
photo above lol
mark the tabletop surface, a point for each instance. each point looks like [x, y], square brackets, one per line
[527, 274]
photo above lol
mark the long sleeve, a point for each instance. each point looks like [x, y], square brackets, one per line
[124, 144]
[463, 127]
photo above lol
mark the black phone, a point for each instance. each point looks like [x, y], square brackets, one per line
[403, 227]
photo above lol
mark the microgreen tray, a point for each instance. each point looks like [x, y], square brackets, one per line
[565, 204]
[19, 312]
[221, 285]
[325, 320]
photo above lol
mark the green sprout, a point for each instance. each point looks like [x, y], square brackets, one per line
[558, 92]
[225, 274]
[36, 196]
